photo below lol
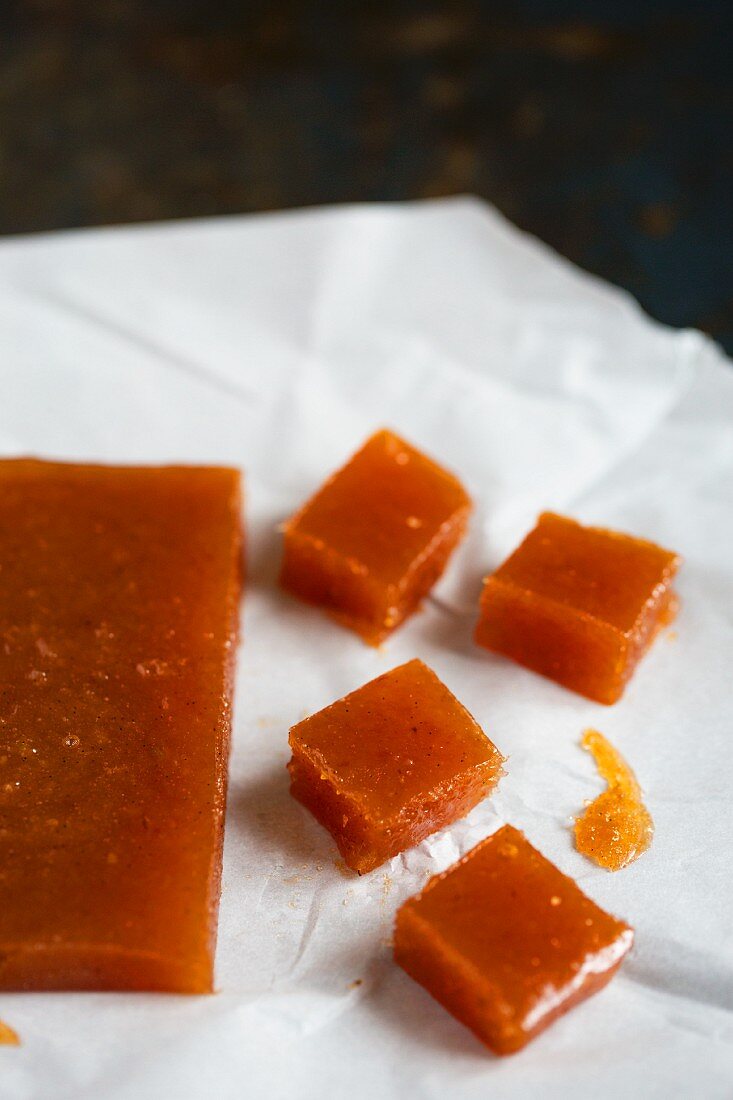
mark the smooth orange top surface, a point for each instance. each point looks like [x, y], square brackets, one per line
[525, 931]
[396, 739]
[118, 608]
[604, 574]
[383, 509]
[616, 828]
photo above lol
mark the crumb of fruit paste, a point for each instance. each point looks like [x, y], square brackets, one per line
[8, 1037]
[616, 827]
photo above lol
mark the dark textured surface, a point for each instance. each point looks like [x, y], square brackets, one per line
[606, 129]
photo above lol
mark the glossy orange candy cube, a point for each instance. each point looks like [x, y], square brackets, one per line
[391, 763]
[119, 599]
[506, 942]
[375, 538]
[580, 605]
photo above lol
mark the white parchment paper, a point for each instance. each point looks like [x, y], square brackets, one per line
[278, 343]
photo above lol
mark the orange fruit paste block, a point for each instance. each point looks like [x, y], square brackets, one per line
[615, 828]
[506, 942]
[375, 538]
[119, 592]
[580, 605]
[391, 763]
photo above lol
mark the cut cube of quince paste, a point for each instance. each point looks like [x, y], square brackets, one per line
[372, 542]
[391, 763]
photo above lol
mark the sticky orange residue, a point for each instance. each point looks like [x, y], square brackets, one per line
[616, 827]
[8, 1037]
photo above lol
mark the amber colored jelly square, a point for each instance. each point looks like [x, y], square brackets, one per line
[375, 538]
[391, 763]
[506, 942]
[119, 599]
[580, 605]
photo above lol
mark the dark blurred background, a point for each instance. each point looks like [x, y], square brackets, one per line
[603, 126]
